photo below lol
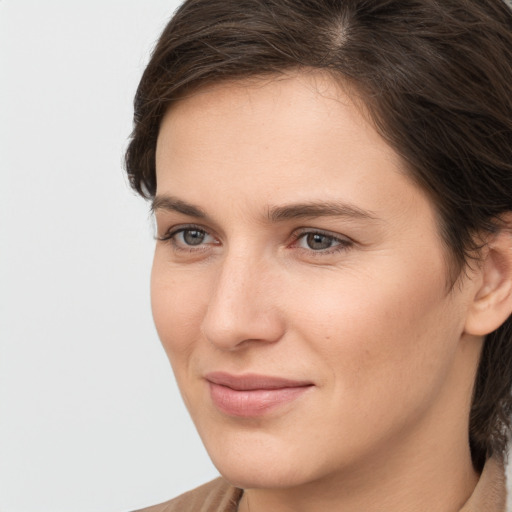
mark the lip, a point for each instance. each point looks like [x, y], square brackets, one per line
[252, 395]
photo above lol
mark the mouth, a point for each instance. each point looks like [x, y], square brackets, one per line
[252, 395]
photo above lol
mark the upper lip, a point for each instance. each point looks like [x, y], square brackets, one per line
[250, 381]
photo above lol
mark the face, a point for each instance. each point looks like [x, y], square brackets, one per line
[299, 285]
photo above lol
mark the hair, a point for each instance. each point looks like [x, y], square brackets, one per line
[435, 79]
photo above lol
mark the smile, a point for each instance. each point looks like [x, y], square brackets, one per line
[252, 395]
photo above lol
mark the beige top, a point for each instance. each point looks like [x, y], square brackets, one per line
[219, 496]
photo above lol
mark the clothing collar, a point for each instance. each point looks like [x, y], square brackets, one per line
[490, 493]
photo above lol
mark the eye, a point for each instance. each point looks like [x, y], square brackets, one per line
[189, 238]
[320, 242]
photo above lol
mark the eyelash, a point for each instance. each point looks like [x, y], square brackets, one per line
[341, 243]
[169, 237]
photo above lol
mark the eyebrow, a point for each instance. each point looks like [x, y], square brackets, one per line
[173, 204]
[307, 210]
[318, 209]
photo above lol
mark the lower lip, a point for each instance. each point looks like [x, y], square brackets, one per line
[252, 403]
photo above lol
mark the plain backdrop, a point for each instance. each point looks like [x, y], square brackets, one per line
[90, 417]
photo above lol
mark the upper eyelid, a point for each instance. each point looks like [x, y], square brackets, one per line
[163, 218]
[173, 230]
[306, 231]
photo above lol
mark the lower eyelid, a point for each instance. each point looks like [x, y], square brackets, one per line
[334, 251]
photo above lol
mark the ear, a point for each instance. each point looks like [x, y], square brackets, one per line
[492, 300]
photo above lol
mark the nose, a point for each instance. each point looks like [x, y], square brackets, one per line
[243, 305]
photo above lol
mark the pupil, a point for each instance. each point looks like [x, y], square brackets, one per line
[193, 237]
[316, 241]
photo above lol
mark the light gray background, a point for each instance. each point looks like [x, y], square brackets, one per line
[90, 418]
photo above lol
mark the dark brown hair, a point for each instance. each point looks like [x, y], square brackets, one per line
[435, 77]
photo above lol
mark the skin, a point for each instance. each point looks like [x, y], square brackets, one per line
[367, 318]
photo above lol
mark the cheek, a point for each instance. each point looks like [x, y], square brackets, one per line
[178, 303]
[390, 336]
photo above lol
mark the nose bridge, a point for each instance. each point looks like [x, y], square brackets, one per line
[241, 305]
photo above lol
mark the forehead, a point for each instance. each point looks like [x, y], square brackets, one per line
[292, 121]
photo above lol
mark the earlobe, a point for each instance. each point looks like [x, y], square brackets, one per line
[492, 302]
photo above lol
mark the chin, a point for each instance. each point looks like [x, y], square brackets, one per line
[255, 476]
[261, 464]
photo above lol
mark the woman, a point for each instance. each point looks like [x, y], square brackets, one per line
[332, 282]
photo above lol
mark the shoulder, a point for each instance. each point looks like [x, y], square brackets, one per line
[215, 496]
